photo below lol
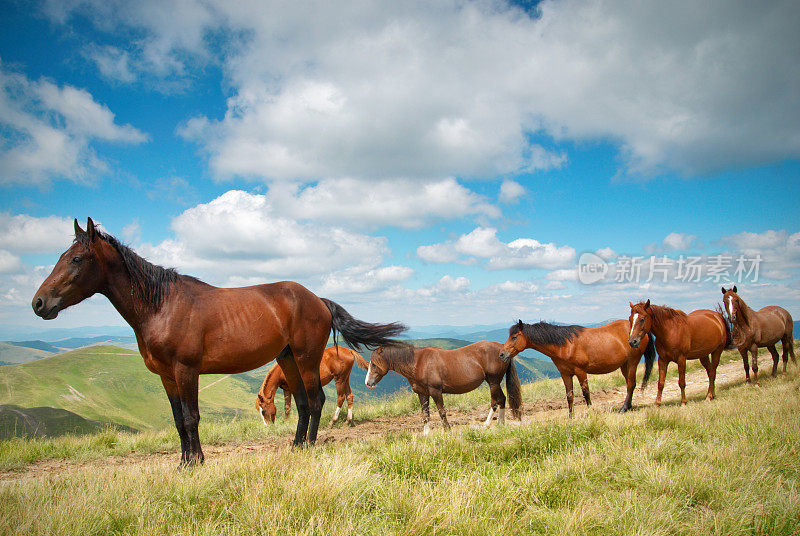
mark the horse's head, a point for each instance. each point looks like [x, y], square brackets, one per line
[266, 407]
[516, 343]
[378, 367]
[641, 322]
[732, 302]
[77, 275]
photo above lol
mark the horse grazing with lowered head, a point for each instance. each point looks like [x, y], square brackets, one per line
[336, 364]
[758, 329]
[578, 351]
[185, 327]
[699, 335]
[432, 371]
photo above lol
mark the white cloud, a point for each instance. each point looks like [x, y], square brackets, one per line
[454, 89]
[679, 241]
[21, 233]
[9, 263]
[362, 282]
[50, 130]
[778, 249]
[238, 235]
[511, 191]
[402, 203]
[482, 243]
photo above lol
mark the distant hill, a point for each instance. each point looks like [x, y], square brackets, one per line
[13, 354]
[16, 421]
[36, 345]
[79, 342]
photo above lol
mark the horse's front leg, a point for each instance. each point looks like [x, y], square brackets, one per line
[295, 382]
[177, 414]
[498, 404]
[754, 362]
[743, 353]
[187, 378]
[663, 363]
[341, 395]
[629, 373]
[567, 379]
[287, 403]
[682, 377]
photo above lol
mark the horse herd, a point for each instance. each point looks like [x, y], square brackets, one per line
[185, 327]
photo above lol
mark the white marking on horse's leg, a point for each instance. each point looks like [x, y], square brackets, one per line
[633, 323]
[369, 371]
[488, 422]
[427, 429]
[350, 413]
[501, 417]
[336, 413]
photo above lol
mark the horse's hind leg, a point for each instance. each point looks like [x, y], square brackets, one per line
[436, 394]
[711, 376]
[662, 377]
[682, 378]
[498, 404]
[424, 404]
[775, 359]
[584, 381]
[287, 402]
[292, 374]
[349, 397]
[340, 398]
[177, 414]
[187, 379]
[754, 362]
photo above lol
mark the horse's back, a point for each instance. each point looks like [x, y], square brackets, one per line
[775, 323]
[604, 348]
[708, 332]
[461, 370]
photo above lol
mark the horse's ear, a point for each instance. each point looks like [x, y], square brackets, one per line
[520, 324]
[90, 229]
[78, 230]
[647, 304]
[631, 304]
[723, 290]
[734, 288]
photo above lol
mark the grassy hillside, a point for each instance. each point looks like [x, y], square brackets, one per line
[727, 467]
[13, 354]
[46, 422]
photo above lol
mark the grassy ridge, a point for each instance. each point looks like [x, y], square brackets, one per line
[727, 467]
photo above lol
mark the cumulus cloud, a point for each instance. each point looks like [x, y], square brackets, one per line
[21, 233]
[511, 191]
[50, 130]
[482, 244]
[456, 89]
[238, 234]
[779, 249]
[403, 203]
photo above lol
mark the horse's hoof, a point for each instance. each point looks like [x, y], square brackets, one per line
[351, 424]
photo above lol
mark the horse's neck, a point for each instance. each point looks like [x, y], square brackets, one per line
[120, 293]
[405, 369]
[550, 350]
[661, 326]
[271, 384]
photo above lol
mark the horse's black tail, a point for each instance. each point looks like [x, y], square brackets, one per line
[729, 343]
[358, 333]
[514, 391]
[649, 358]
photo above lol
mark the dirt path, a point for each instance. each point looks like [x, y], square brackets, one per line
[545, 410]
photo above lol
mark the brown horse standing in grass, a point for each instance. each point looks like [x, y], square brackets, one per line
[185, 327]
[432, 371]
[757, 329]
[679, 337]
[578, 351]
[336, 364]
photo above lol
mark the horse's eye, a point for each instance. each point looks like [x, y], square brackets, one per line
[641, 320]
[77, 260]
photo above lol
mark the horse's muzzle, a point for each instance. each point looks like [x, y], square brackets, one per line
[504, 356]
[45, 308]
[634, 342]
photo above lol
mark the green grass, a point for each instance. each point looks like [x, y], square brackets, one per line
[727, 467]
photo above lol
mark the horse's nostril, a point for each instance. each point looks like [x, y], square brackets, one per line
[39, 304]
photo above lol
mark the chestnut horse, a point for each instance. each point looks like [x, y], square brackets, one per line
[185, 327]
[432, 371]
[336, 364]
[679, 337]
[758, 329]
[578, 351]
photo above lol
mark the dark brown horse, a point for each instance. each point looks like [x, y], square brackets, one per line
[578, 351]
[758, 329]
[432, 371]
[185, 327]
[336, 364]
[679, 337]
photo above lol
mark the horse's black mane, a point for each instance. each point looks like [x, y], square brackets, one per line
[401, 354]
[544, 333]
[150, 281]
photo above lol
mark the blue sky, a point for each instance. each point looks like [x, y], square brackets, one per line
[435, 162]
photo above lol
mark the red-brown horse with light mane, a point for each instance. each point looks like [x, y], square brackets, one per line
[185, 327]
[336, 364]
[432, 371]
[679, 337]
[758, 329]
[578, 351]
